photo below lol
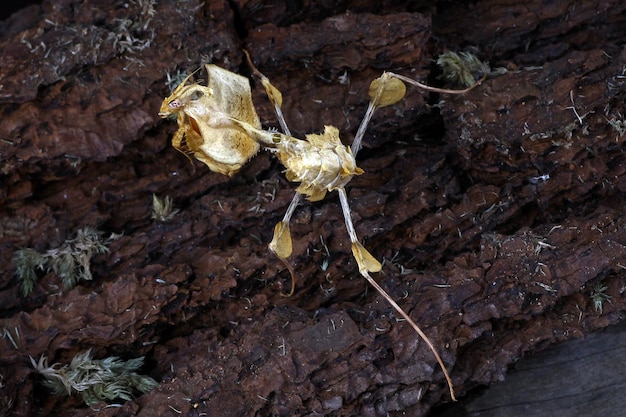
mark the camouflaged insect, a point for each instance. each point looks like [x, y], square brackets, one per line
[218, 125]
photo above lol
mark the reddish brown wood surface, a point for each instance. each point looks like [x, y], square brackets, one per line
[495, 212]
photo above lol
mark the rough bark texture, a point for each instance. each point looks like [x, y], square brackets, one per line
[495, 212]
[593, 368]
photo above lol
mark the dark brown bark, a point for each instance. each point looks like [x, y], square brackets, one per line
[495, 212]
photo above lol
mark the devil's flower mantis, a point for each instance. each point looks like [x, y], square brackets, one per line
[219, 126]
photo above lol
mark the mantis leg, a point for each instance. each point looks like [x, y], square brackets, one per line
[365, 259]
[367, 263]
[273, 94]
[281, 243]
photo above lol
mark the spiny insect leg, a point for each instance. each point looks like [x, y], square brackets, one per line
[367, 263]
[384, 91]
[358, 138]
[388, 89]
[273, 94]
[281, 242]
[436, 89]
[364, 259]
[415, 327]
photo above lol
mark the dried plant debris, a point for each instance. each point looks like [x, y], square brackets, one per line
[462, 68]
[70, 261]
[96, 379]
[163, 209]
[618, 123]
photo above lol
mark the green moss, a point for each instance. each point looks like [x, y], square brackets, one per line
[462, 68]
[70, 261]
[96, 379]
[599, 296]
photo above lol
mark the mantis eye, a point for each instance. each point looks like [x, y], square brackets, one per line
[196, 95]
[174, 104]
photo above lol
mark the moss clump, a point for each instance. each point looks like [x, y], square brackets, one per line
[70, 261]
[462, 68]
[96, 379]
[163, 209]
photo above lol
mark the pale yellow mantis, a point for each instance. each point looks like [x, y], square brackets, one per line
[219, 126]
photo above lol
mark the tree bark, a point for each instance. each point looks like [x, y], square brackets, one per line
[495, 212]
